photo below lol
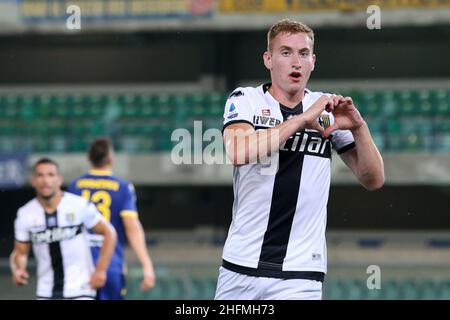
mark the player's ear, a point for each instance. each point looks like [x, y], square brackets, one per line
[267, 60]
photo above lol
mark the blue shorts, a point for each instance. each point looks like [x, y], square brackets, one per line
[114, 288]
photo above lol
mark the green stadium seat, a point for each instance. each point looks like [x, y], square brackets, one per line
[335, 290]
[35, 128]
[203, 288]
[79, 111]
[429, 290]
[439, 102]
[359, 100]
[134, 292]
[198, 290]
[130, 143]
[147, 111]
[79, 128]
[79, 144]
[27, 112]
[215, 104]
[390, 289]
[9, 128]
[443, 142]
[356, 289]
[57, 127]
[9, 144]
[174, 289]
[409, 290]
[43, 112]
[404, 101]
[374, 294]
[62, 111]
[2, 102]
[125, 99]
[445, 290]
[97, 128]
[10, 112]
[369, 106]
[130, 111]
[442, 125]
[394, 135]
[167, 105]
[59, 143]
[41, 144]
[164, 138]
[198, 107]
[55, 101]
[385, 103]
[148, 144]
[95, 112]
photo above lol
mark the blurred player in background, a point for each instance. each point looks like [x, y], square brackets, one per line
[276, 246]
[116, 200]
[55, 224]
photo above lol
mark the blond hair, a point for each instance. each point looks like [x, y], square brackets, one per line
[290, 27]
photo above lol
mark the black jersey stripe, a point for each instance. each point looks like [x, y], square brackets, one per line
[56, 259]
[283, 206]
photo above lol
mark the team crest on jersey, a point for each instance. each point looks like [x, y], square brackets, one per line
[324, 120]
[70, 217]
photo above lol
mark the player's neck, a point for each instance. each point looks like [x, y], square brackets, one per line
[285, 98]
[51, 203]
[103, 168]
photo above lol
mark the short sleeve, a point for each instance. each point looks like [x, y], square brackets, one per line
[342, 141]
[91, 216]
[21, 232]
[129, 208]
[237, 109]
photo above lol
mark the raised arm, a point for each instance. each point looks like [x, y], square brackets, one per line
[364, 160]
[244, 145]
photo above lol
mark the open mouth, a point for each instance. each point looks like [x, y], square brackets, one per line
[295, 75]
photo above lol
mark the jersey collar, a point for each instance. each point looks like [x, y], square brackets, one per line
[97, 172]
[297, 109]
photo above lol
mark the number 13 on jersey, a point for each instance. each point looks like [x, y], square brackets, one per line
[101, 199]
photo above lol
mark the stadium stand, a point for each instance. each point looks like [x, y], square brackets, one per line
[400, 120]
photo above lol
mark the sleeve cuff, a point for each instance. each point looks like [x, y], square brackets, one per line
[22, 241]
[346, 148]
[128, 213]
[236, 121]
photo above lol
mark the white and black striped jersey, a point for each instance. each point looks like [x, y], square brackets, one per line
[279, 220]
[60, 245]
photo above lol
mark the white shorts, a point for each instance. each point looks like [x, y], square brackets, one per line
[235, 286]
